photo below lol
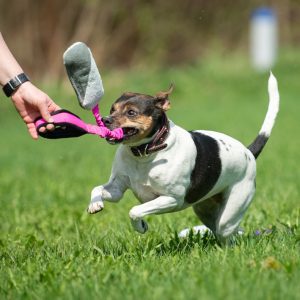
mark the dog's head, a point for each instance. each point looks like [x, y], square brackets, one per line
[139, 115]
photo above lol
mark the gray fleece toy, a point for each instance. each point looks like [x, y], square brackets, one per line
[84, 75]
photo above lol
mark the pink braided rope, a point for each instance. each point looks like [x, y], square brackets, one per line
[101, 129]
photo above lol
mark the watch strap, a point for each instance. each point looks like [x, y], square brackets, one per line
[14, 83]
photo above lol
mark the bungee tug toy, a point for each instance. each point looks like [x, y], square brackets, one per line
[86, 81]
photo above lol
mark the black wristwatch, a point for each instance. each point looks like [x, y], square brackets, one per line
[14, 83]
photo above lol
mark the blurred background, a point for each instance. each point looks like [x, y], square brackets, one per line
[127, 33]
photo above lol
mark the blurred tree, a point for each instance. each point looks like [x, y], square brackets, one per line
[122, 33]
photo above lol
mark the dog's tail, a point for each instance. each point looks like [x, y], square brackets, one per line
[258, 144]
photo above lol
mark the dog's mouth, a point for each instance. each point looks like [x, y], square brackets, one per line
[129, 132]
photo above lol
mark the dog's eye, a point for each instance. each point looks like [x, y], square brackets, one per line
[131, 113]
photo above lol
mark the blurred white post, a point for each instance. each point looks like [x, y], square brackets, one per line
[263, 39]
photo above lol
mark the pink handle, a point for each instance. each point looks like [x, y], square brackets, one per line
[66, 118]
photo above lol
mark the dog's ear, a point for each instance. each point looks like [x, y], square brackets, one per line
[162, 99]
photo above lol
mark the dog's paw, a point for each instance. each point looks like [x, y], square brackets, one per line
[96, 203]
[136, 220]
[95, 207]
[202, 230]
[139, 225]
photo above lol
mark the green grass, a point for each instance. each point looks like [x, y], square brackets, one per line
[51, 249]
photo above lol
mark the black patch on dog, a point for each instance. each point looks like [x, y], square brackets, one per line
[207, 167]
[258, 144]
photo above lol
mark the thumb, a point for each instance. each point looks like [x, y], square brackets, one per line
[45, 113]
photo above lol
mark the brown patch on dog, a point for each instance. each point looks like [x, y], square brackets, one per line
[163, 104]
[166, 94]
[129, 94]
[162, 98]
[144, 125]
[115, 107]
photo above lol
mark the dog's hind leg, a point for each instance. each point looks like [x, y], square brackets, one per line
[160, 205]
[208, 211]
[237, 199]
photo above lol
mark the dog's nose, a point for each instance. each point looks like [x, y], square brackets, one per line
[107, 120]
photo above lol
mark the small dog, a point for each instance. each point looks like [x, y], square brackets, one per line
[169, 169]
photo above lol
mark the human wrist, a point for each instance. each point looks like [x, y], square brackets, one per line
[9, 69]
[22, 91]
[14, 84]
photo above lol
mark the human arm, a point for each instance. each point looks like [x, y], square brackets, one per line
[29, 101]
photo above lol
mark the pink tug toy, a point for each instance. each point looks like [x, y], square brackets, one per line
[67, 125]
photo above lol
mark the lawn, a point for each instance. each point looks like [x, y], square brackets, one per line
[50, 248]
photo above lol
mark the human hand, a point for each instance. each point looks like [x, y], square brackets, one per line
[31, 103]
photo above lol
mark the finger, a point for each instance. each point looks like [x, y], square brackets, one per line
[53, 106]
[32, 131]
[50, 127]
[45, 112]
[42, 129]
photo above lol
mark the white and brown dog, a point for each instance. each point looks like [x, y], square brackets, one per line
[169, 169]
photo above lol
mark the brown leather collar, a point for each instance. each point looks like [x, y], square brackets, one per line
[157, 144]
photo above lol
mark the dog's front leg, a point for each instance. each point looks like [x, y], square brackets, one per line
[160, 205]
[112, 191]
